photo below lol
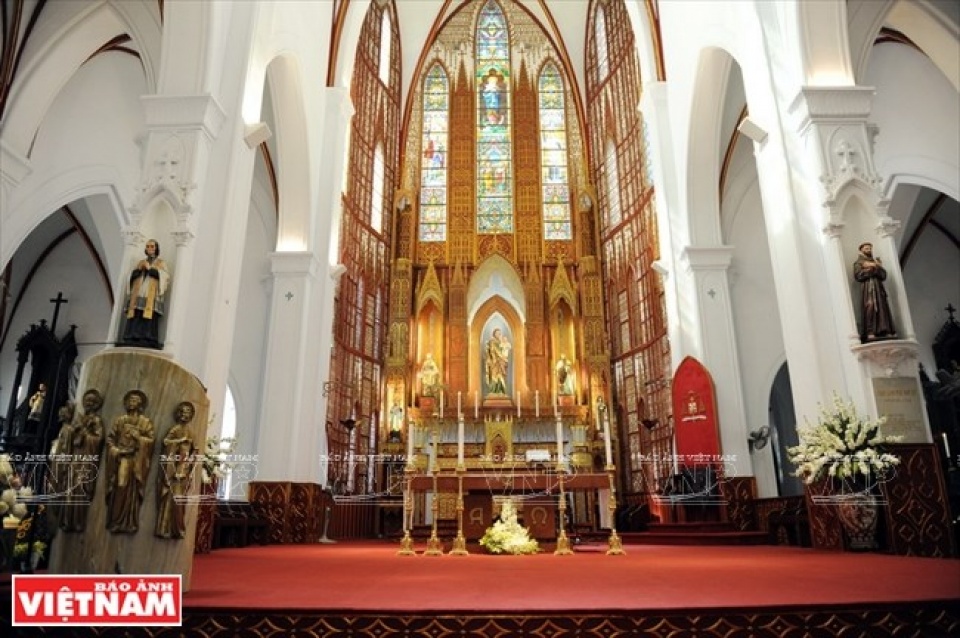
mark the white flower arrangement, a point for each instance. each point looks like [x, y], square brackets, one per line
[215, 463]
[10, 491]
[842, 445]
[507, 535]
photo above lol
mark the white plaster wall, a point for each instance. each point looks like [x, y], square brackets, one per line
[919, 143]
[918, 112]
[253, 302]
[87, 143]
[756, 316]
[68, 269]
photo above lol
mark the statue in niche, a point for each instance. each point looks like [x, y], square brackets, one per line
[145, 305]
[129, 451]
[876, 319]
[78, 457]
[564, 370]
[497, 361]
[429, 376]
[176, 473]
[36, 403]
[396, 422]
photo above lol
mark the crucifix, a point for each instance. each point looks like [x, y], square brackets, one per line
[56, 311]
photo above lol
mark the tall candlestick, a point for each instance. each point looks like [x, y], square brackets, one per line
[460, 442]
[606, 439]
[559, 440]
[536, 402]
[459, 412]
[476, 404]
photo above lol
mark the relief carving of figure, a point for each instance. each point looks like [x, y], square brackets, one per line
[129, 452]
[176, 473]
[78, 452]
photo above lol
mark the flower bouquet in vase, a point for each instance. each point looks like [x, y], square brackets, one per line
[844, 451]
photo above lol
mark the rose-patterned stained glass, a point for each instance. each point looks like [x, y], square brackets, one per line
[494, 159]
[433, 163]
[553, 156]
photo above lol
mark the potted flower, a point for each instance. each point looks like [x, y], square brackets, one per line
[846, 451]
[507, 536]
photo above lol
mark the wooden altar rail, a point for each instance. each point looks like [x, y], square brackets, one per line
[495, 482]
[352, 520]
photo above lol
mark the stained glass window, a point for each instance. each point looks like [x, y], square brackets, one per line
[385, 48]
[376, 199]
[553, 156]
[494, 157]
[600, 34]
[433, 165]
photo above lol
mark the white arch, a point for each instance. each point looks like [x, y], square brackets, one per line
[294, 230]
[60, 190]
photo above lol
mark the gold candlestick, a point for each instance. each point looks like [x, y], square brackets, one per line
[434, 546]
[563, 543]
[460, 542]
[615, 544]
[406, 543]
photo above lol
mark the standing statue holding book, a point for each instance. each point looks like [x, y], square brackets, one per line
[146, 301]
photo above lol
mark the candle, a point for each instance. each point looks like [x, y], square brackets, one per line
[476, 404]
[441, 404]
[459, 413]
[559, 440]
[606, 440]
[460, 442]
[518, 404]
[946, 447]
[536, 402]
[410, 427]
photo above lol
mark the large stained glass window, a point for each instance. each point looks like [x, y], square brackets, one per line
[553, 156]
[433, 173]
[494, 160]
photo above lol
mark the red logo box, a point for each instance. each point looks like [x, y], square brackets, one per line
[84, 601]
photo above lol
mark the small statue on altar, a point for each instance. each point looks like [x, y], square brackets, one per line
[497, 362]
[429, 376]
[36, 403]
[396, 422]
[564, 370]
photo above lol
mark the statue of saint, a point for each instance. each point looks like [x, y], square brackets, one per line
[564, 371]
[876, 319]
[129, 452]
[176, 473]
[429, 376]
[145, 305]
[36, 403]
[78, 451]
[497, 360]
[396, 422]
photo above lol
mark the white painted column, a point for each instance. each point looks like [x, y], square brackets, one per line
[338, 111]
[288, 441]
[710, 269]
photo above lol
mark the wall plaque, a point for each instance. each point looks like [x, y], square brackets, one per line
[898, 398]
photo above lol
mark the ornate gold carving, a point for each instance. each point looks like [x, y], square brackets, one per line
[430, 290]
[561, 288]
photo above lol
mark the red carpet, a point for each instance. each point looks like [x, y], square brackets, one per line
[369, 576]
